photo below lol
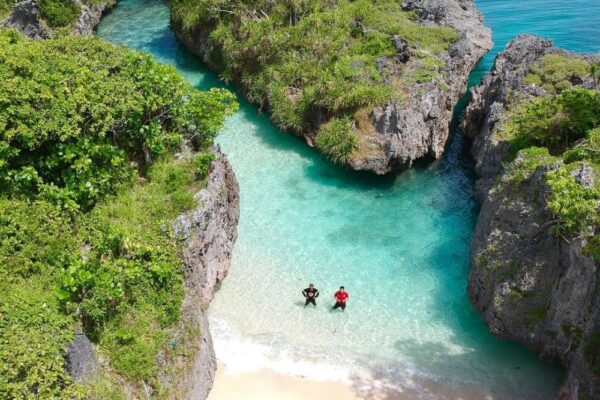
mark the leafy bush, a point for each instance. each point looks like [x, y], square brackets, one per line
[33, 340]
[310, 60]
[588, 149]
[573, 204]
[83, 237]
[59, 12]
[554, 72]
[337, 140]
[555, 122]
[528, 161]
[77, 111]
[203, 163]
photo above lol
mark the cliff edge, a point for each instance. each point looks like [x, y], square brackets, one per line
[534, 275]
[377, 98]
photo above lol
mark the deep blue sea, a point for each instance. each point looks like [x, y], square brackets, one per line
[399, 244]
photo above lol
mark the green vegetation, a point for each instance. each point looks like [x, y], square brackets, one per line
[591, 352]
[72, 123]
[555, 72]
[561, 127]
[337, 140]
[528, 160]
[574, 205]
[555, 122]
[57, 13]
[88, 187]
[313, 60]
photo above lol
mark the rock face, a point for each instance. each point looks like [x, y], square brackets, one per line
[81, 361]
[530, 284]
[490, 100]
[418, 127]
[27, 19]
[208, 234]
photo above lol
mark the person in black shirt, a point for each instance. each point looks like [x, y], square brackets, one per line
[310, 293]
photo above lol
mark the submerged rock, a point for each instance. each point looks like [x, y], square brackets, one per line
[530, 284]
[393, 136]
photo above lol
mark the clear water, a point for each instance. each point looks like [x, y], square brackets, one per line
[400, 244]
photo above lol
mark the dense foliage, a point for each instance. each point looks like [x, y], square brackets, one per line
[557, 72]
[312, 60]
[555, 122]
[72, 123]
[87, 192]
[574, 205]
[561, 127]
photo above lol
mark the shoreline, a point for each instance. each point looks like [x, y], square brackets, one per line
[267, 384]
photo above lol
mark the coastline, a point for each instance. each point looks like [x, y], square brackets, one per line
[267, 384]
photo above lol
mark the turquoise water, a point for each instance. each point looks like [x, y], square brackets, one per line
[400, 245]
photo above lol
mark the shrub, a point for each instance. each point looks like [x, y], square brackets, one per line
[588, 149]
[574, 205]
[83, 237]
[59, 12]
[337, 140]
[554, 72]
[33, 339]
[528, 161]
[77, 111]
[555, 122]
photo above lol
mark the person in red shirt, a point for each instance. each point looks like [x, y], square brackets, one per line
[340, 299]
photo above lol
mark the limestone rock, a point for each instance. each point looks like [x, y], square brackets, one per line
[531, 285]
[208, 234]
[26, 18]
[81, 361]
[418, 127]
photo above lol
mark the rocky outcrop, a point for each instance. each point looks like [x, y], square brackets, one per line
[208, 234]
[90, 15]
[27, 19]
[530, 284]
[498, 91]
[416, 127]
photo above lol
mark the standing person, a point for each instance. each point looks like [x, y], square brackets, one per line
[311, 293]
[340, 298]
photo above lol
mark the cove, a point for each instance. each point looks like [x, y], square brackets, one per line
[399, 244]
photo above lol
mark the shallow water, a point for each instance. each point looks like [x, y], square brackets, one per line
[400, 245]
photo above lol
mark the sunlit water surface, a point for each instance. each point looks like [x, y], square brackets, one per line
[399, 244]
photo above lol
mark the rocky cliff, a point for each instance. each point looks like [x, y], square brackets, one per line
[27, 18]
[208, 234]
[530, 283]
[392, 137]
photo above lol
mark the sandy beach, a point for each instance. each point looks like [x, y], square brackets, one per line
[266, 385]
